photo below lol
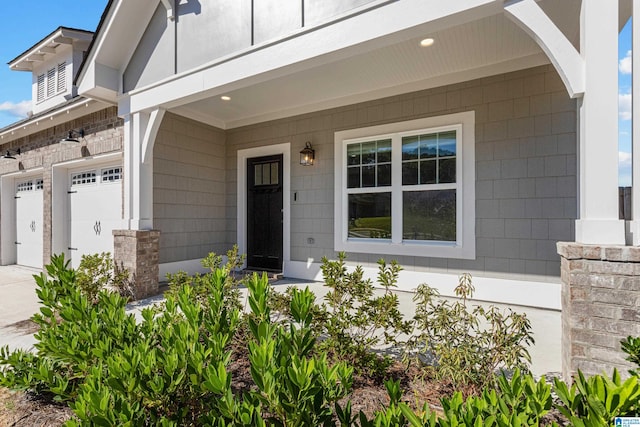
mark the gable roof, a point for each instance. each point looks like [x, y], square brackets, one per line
[47, 47]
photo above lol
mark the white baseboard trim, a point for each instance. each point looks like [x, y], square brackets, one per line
[190, 266]
[504, 291]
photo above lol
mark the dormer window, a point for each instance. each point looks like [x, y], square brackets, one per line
[54, 83]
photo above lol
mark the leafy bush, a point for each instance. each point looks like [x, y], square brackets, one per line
[75, 334]
[469, 345]
[518, 401]
[201, 283]
[98, 271]
[597, 400]
[295, 388]
[631, 346]
[352, 320]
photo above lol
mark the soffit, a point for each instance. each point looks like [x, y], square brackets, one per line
[493, 43]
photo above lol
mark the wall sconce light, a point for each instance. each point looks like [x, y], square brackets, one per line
[8, 155]
[307, 155]
[72, 137]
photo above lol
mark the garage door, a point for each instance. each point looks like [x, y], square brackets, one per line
[29, 222]
[95, 200]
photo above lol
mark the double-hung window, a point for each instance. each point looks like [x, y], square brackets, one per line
[407, 188]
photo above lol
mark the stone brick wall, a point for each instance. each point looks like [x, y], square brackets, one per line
[600, 306]
[138, 252]
[41, 150]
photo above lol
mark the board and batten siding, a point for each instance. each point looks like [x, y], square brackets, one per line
[208, 30]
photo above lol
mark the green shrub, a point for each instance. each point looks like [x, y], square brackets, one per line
[631, 346]
[353, 320]
[518, 401]
[201, 282]
[294, 387]
[469, 345]
[97, 272]
[169, 374]
[597, 400]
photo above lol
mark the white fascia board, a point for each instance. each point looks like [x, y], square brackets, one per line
[562, 54]
[55, 118]
[100, 82]
[390, 23]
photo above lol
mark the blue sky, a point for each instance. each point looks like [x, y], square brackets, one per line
[624, 109]
[26, 23]
[31, 20]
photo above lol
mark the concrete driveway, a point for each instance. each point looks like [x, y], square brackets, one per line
[18, 302]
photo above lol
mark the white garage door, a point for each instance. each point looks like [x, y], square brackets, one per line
[29, 222]
[95, 200]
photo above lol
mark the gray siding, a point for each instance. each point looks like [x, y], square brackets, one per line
[189, 189]
[154, 58]
[525, 171]
[204, 31]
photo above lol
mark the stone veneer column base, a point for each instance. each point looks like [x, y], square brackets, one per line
[600, 306]
[137, 251]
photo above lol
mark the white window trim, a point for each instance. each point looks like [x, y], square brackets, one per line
[465, 246]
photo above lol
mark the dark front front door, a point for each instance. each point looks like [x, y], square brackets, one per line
[264, 213]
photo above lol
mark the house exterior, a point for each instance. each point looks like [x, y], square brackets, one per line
[59, 196]
[466, 136]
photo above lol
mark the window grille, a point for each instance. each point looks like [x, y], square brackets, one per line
[112, 174]
[25, 186]
[82, 178]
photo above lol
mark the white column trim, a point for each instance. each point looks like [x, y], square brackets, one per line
[149, 139]
[635, 125]
[598, 127]
[564, 57]
[138, 176]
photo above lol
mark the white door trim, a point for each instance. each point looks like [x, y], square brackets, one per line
[269, 150]
[60, 183]
[8, 252]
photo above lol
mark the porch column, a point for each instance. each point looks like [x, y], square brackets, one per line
[138, 189]
[137, 248]
[635, 126]
[598, 150]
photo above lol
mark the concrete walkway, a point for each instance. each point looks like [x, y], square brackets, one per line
[18, 302]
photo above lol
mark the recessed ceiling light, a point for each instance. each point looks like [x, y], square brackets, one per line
[427, 42]
[225, 98]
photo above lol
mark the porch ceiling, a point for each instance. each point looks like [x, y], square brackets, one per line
[484, 47]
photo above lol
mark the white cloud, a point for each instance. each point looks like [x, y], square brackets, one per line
[624, 106]
[624, 65]
[624, 169]
[19, 109]
[624, 159]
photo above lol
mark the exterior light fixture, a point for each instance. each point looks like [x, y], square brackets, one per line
[307, 155]
[225, 98]
[427, 42]
[8, 155]
[72, 137]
